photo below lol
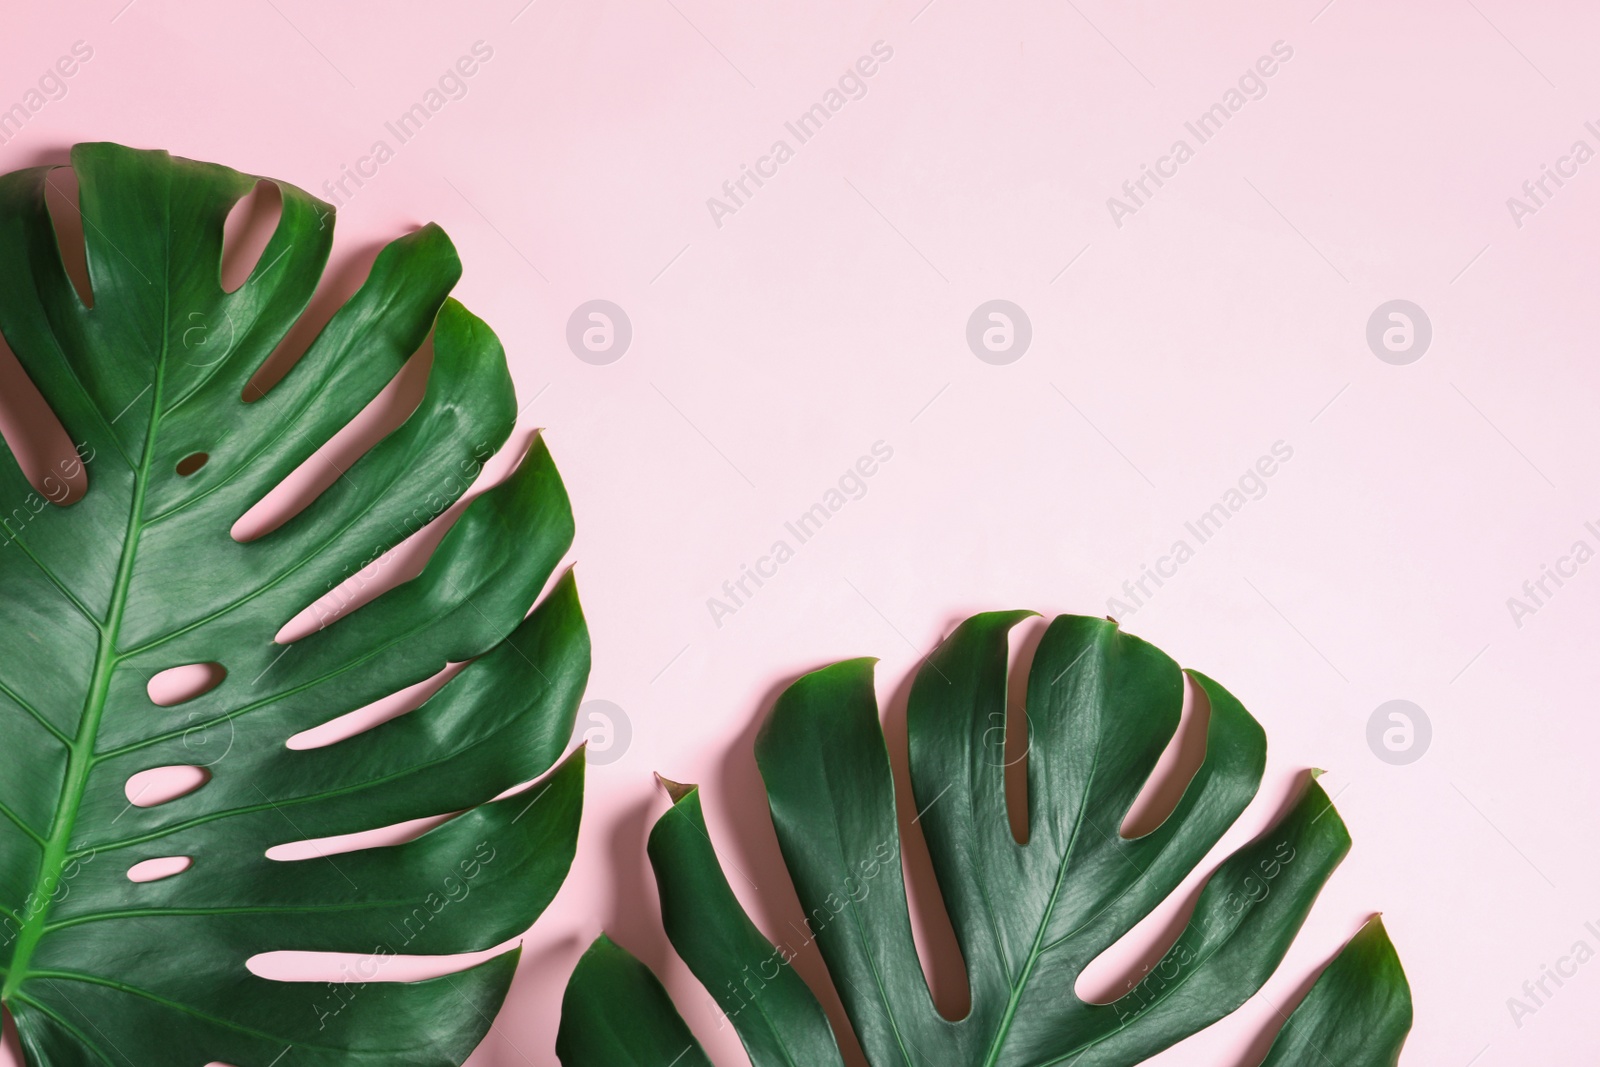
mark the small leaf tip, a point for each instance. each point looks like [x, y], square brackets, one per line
[676, 790]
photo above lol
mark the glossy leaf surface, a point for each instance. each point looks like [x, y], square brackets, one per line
[142, 575]
[1101, 707]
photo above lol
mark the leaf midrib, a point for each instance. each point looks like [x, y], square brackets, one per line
[80, 760]
[1038, 948]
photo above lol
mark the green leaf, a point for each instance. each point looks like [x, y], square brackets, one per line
[142, 574]
[1029, 917]
[587, 1030]
[1358, 1010]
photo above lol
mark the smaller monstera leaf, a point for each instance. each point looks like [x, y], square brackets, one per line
[1029, 916]
[141, 574]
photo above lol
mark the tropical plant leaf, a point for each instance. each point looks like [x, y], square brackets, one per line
[1029, 917]
[141, 575]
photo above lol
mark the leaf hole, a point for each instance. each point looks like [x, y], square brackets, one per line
[57, 471]
[382, 416]
[379, 837]
[1134, 956]
[385, 965]
[249, 227]
[175, 685]
[61, 195]
[932, 933]
[191, 463]
[1176, 768]
[375, 714]
[1139, 953]
[407, 559]
[1023, 645]
[160, 785]
[153, 870]
[338, 284]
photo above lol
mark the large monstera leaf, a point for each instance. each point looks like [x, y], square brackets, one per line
[141, 574]
[1101, 706]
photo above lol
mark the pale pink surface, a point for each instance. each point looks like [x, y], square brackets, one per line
[829, 313]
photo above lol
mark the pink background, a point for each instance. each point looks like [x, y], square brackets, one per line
[1169, 353]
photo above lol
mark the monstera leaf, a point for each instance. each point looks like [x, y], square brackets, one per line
[1101, 707]
[141, 574]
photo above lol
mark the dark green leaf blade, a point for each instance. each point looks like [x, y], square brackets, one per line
[775, 1015]
[372, 1024]
[1030, 916]
[1247, 915]
[651, 1033]
[826, 769]
[142, 574]
[1357, 1013]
